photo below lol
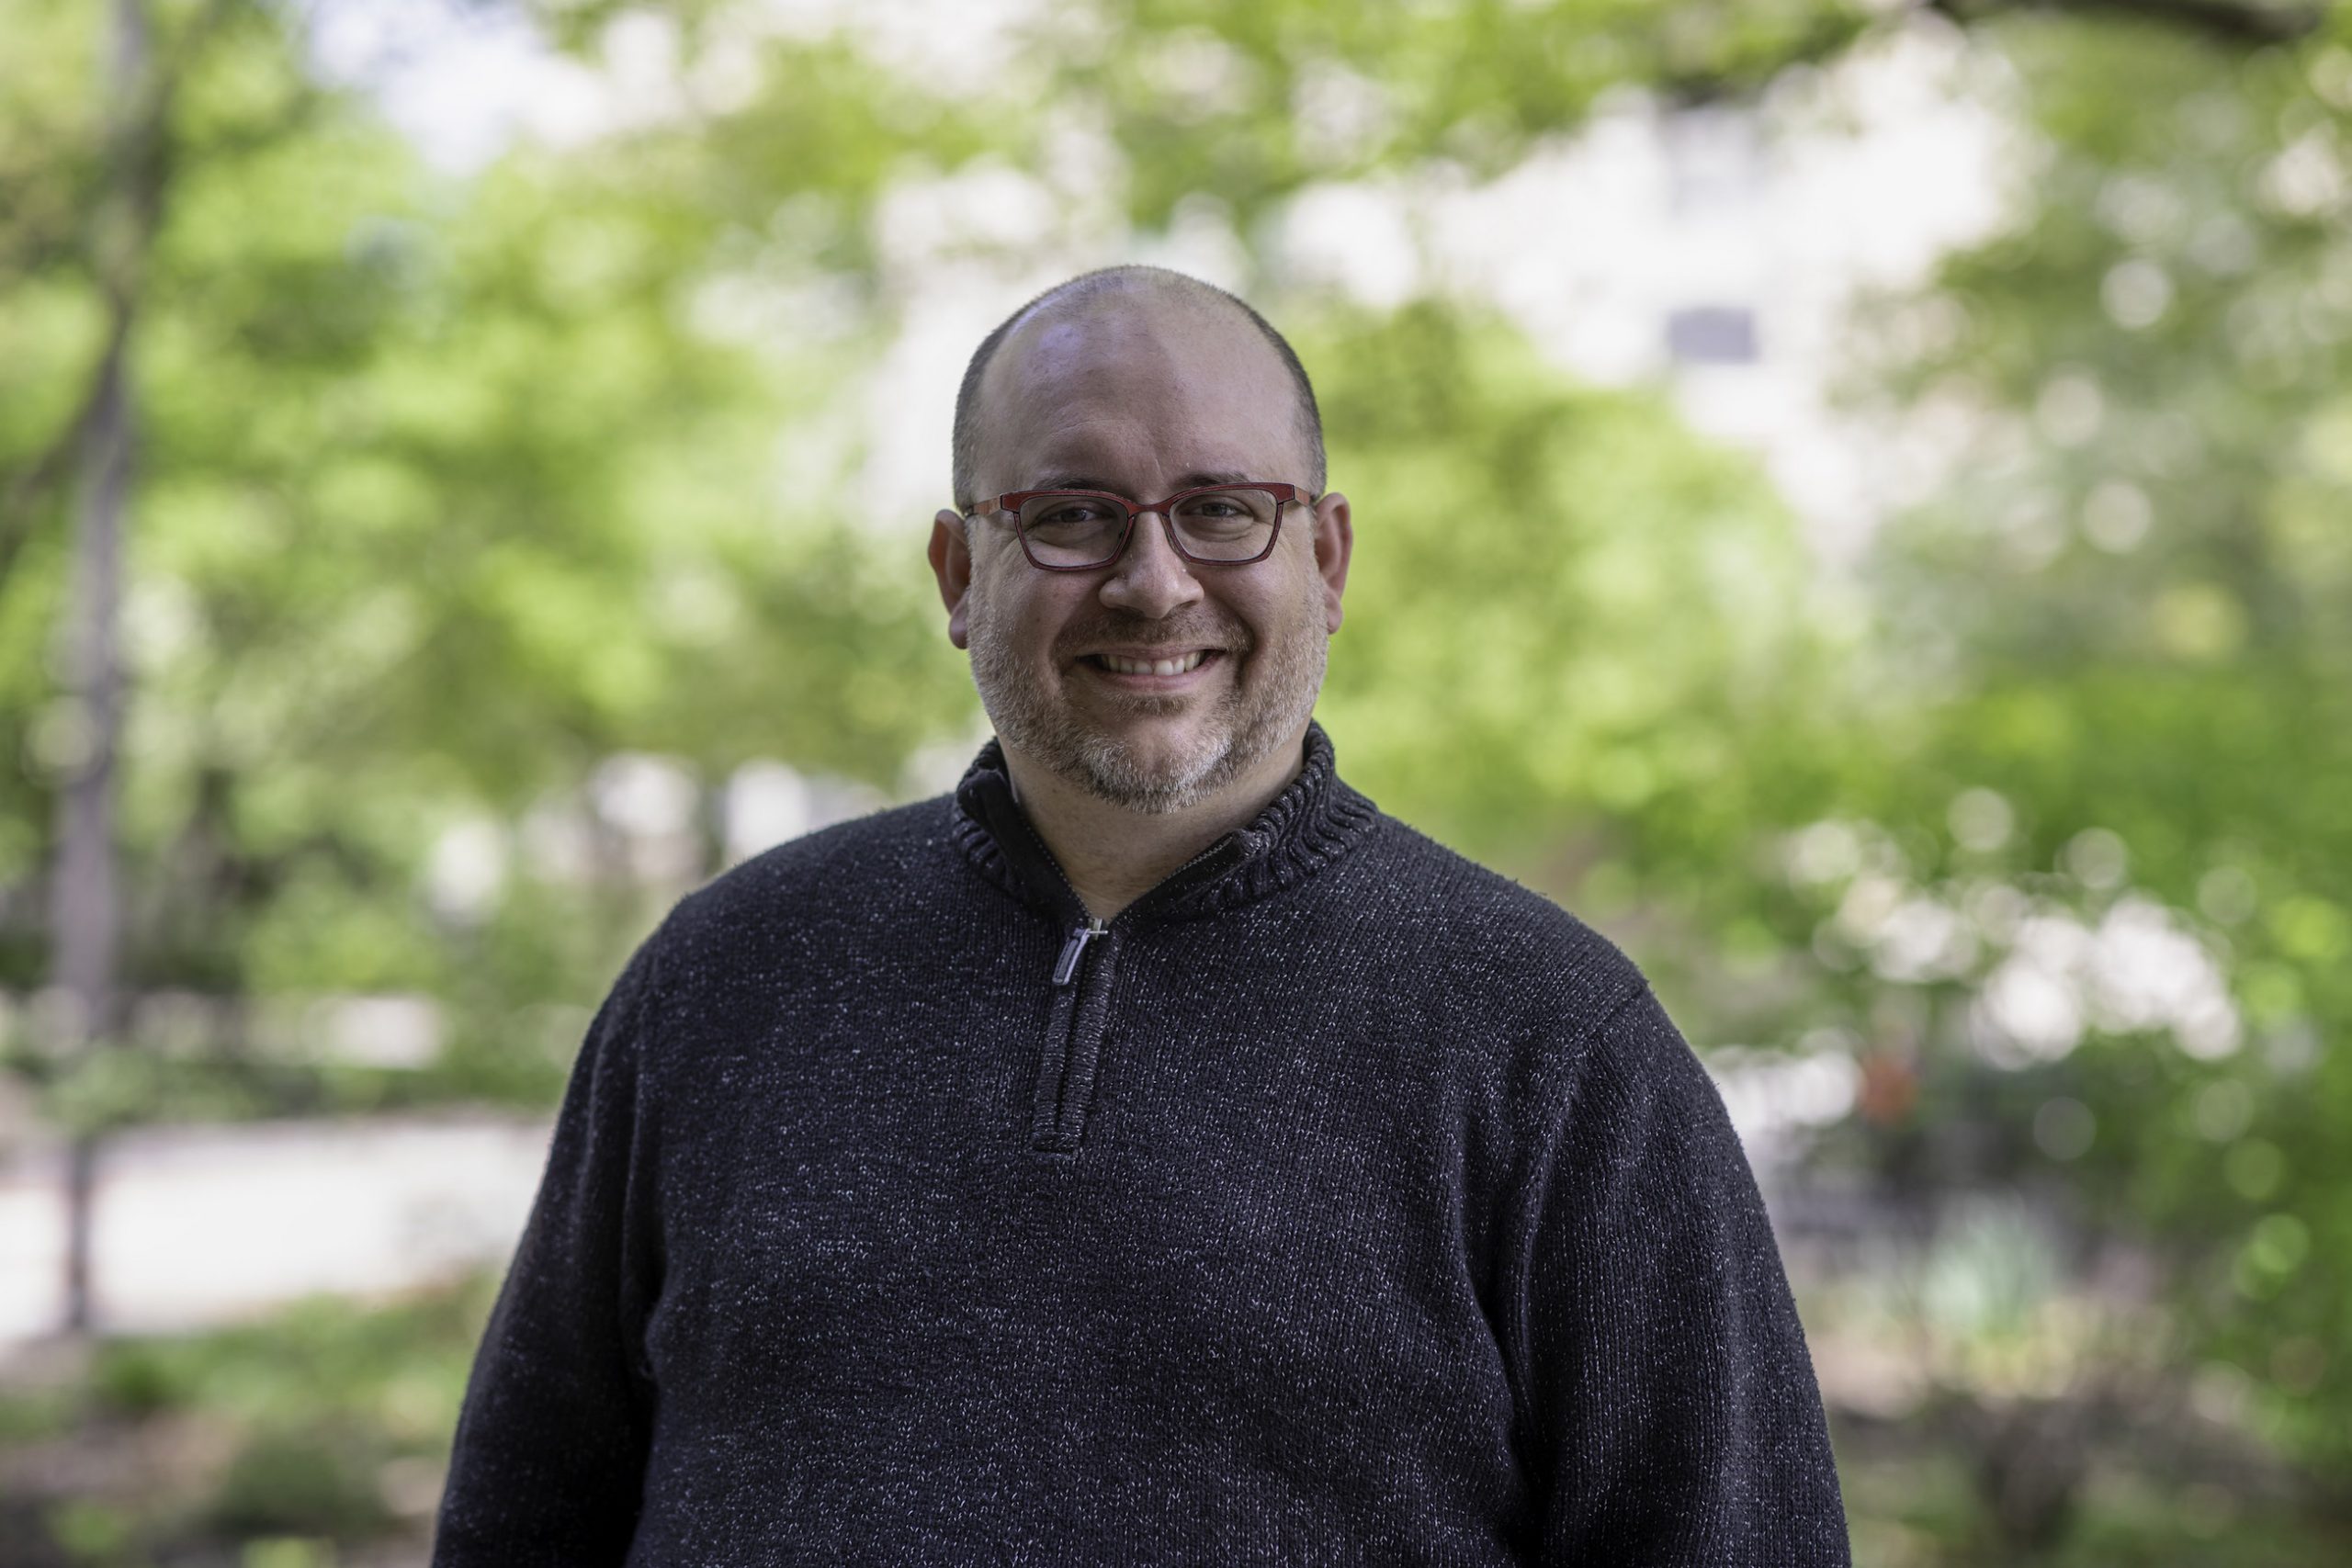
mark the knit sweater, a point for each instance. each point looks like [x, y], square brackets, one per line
[1339, 1201]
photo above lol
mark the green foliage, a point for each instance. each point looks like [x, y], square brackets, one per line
[318, 1419]
[1576, 617]
[92, 1533]
[450, 488]
[316, 1478]
[30, 1415]
[1252, 101]
[1908, 1507]
[401, 1367]
[2133, 612]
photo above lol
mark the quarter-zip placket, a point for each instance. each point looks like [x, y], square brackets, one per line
[1067, 1060]
[1073, 1043]
[1083, 973]
[1304, 829]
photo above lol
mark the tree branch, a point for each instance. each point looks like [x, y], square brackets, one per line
[2252, 22]
[26, 490]
[137, 156]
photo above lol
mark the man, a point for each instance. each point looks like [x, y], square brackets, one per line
[1150, 1152]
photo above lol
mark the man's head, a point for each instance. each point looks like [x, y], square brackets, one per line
[1130, 281]
[1142, 383]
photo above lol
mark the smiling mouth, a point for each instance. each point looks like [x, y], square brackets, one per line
[1119, 665]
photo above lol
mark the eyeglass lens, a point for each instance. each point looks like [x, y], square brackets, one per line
[1228, 525]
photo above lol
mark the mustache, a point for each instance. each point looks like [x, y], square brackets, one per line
[1142, 634]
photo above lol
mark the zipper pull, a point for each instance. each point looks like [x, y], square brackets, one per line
[1074, 949]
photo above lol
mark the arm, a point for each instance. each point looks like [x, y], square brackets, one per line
[550, 1456]
[1668, 1408]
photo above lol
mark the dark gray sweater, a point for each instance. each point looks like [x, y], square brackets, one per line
[1340, 1200]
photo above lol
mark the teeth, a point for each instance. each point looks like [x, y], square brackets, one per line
[1154, 666]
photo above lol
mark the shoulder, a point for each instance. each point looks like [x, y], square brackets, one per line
[1514, 948]
[1551, 1025]
[841, 873]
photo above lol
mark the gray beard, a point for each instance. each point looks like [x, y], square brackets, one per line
[1241, 733]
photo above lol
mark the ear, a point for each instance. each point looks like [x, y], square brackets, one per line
[951, 562]
[1335, 540]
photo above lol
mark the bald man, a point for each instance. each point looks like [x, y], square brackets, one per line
[1149, 1152]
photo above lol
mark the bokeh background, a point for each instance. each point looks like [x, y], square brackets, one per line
[1853, 501]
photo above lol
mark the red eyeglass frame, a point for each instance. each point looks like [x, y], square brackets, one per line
[1012, 501]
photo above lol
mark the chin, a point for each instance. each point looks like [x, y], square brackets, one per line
[1152, 773]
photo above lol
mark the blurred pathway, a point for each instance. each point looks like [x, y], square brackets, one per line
[203, 1225]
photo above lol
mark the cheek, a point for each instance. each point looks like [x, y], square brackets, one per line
[1278, 608]
[1025, 611]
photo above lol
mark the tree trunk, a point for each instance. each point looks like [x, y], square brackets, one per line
[86, 901]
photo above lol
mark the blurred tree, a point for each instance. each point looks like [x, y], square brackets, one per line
[2104, 897]
[446, 490]
[128, 179]
[416, 445]
[448, 486]
[1585, 631]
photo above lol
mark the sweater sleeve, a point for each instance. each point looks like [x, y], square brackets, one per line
[548, 1459]
[1670, 1411]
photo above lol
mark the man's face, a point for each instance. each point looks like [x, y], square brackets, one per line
[1143, 397]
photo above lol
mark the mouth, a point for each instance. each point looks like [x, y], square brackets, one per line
[1168, 671]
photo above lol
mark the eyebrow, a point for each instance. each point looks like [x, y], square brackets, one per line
[1088, 481]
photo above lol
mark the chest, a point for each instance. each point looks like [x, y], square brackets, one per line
[1269, 1203]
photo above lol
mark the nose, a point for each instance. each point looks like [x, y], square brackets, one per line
[1150, 579]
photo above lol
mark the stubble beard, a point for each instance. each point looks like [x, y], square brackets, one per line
[1241, 732]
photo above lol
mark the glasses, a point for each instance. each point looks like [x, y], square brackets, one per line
[1081, 530]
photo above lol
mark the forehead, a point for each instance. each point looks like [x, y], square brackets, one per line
[1138, 392]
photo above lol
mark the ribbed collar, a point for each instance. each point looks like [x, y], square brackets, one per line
[1314, 820]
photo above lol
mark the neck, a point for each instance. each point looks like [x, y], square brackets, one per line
[1114, 856]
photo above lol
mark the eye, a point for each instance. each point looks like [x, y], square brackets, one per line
[1062, 513]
